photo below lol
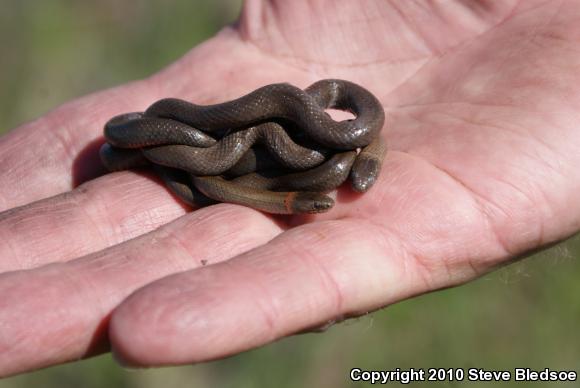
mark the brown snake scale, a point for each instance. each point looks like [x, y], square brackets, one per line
[274, 149]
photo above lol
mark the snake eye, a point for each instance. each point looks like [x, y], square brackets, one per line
[323, 205]
[310, 202]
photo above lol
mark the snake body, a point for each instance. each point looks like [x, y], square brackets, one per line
[300, 152]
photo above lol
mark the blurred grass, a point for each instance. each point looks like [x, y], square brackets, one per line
[525, 315]
[55, 50]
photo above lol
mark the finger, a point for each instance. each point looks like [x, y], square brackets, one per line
[100, 213]
[384, 249]
[59, 312]
[43, 158]
[58, 151]
[305, 277]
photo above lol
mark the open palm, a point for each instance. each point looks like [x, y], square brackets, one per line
[482, 127]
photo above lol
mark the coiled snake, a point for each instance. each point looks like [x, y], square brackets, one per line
[274, 149]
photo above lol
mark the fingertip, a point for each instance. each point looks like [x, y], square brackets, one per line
[191, 317]
[126, 346]
[133, 331]
[161, 325]
[124, 361]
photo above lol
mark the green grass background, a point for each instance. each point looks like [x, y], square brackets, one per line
[525, 315]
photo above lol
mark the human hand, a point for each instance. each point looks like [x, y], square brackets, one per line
[481, 113]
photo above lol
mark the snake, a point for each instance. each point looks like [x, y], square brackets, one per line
[275, 149]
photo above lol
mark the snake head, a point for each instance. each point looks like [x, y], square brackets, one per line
[309, 202]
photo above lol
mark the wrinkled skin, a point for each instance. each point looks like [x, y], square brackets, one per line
[483, 111]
